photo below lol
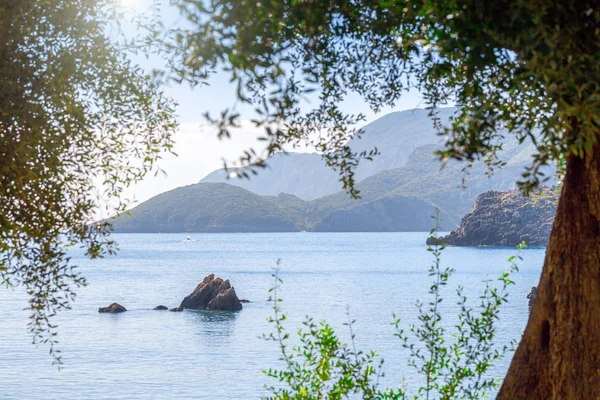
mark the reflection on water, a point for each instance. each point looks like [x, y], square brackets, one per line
[212, 323]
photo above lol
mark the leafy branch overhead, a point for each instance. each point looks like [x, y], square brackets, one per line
[78, 123]
[505, 63]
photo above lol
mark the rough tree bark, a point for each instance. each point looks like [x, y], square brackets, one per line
[559, 354]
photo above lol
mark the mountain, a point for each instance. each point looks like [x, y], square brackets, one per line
[292, 173]
[399, 191]
[400, 199]
[219, 207]
[214, 207]
[396, 136]
[424, 177]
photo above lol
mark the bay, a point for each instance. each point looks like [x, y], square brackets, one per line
[145, 354]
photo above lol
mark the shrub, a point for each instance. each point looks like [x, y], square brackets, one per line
[454, 363]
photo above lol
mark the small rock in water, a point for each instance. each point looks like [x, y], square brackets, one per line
[432, 241]
[161, 308]
[176, 309]
[113, 309]
[244, 301]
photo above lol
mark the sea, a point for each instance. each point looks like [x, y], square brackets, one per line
[334, 277]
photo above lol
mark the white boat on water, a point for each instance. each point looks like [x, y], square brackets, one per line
[189, 239]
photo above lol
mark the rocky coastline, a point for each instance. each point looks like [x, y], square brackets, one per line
[506, 218]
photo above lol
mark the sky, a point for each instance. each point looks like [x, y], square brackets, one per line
[199, 150]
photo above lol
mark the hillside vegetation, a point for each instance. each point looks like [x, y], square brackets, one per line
[214, 207]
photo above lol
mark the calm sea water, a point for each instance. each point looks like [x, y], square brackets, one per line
[144, 354]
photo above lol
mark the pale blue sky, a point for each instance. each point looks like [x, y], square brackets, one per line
[200, 152]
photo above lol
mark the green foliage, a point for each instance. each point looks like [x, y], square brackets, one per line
[320, 366]
[78, 123]
[457, 368]
[454, 364]
[544, 195]
[514, 67]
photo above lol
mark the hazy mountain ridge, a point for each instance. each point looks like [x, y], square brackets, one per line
[401, 199]
[283, 174]
[395, 135]
[219, 207]
[424, 177]
[395, 199]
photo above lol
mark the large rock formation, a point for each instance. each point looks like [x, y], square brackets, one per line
[114, 308]
[506, 219]
[212, 293]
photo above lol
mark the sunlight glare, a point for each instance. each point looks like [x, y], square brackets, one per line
[129, 4]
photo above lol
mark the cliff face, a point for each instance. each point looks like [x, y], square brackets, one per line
[506, 219]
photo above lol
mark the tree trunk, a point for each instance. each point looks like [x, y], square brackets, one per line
[559, 354]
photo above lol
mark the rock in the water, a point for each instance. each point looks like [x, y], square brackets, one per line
[161, 308]
[113, 309]
[506, 219]
[213, 293]
[176, 309]
[244, 301]
[226, 299]
[432, 240]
